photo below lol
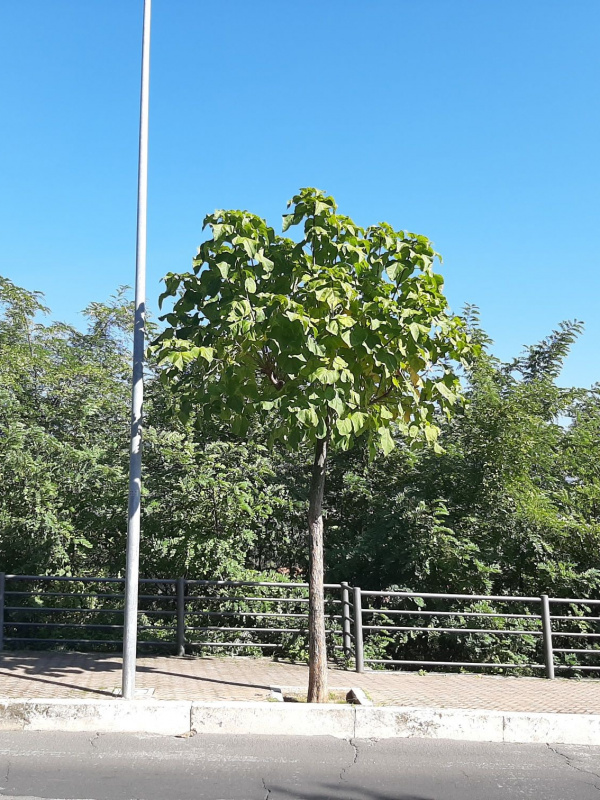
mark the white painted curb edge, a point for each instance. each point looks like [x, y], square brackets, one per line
[174, 717]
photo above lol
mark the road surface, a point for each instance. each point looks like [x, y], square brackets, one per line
[145, 767]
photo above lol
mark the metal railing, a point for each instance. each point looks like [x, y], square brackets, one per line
[387, 616]
[374, 629]
[176, 613]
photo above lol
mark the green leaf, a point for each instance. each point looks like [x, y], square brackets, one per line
[250, 285]
[327, 295]
[320, 206]
[339, 363]
[324, 375]
[176, 359]
[308, 416]
[264, 261]
[359, 420]
[392, 270]
[446, 392]
[431, 433]
[249, 245]
[321, 429]
[207, 353]
[314, 347]
[344, 426]
[337, 405]
[223, 268]
[386, 441]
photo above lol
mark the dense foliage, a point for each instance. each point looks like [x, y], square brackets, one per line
[513, 503]
[64, 433]
[511, 506]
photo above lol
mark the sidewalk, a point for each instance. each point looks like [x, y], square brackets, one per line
[30, 675]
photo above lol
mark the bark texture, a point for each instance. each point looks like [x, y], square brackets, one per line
[317, 675]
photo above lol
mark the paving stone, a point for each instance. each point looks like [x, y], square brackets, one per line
[93, 675]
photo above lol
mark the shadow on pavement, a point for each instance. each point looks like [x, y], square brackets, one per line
[337, 792]
[42, 667]
[201, 678]
[60, 683]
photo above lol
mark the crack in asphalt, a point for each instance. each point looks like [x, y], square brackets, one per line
[577, 769]
[266, 788]
[7, 772]
[354, 746]
[94, 739]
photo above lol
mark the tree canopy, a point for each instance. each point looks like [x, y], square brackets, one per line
[342, 333]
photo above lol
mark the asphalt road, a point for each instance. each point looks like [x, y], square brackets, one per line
[144, 767]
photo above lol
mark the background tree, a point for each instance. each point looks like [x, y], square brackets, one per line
[63, 458]
[517, 488]
[344, 333]
[62, 417]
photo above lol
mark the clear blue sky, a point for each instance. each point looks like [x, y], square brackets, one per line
[475, 123]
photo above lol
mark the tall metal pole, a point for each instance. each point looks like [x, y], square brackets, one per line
[137, 394]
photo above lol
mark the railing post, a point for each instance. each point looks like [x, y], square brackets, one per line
[547, 637]
[358, 631]
[180, 639]
[2, 587]
[346, 638]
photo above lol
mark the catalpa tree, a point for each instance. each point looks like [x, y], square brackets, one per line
[342, 334]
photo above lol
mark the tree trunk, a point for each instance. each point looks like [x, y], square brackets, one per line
[317, 648]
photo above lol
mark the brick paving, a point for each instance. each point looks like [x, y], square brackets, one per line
[79, 675]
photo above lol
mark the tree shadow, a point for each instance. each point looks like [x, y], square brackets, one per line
[328, 791]
[41, 667]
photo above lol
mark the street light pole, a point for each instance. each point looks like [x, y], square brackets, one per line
[137, 392]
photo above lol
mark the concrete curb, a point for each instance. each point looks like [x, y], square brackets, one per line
[174, 717]
[171, 717]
